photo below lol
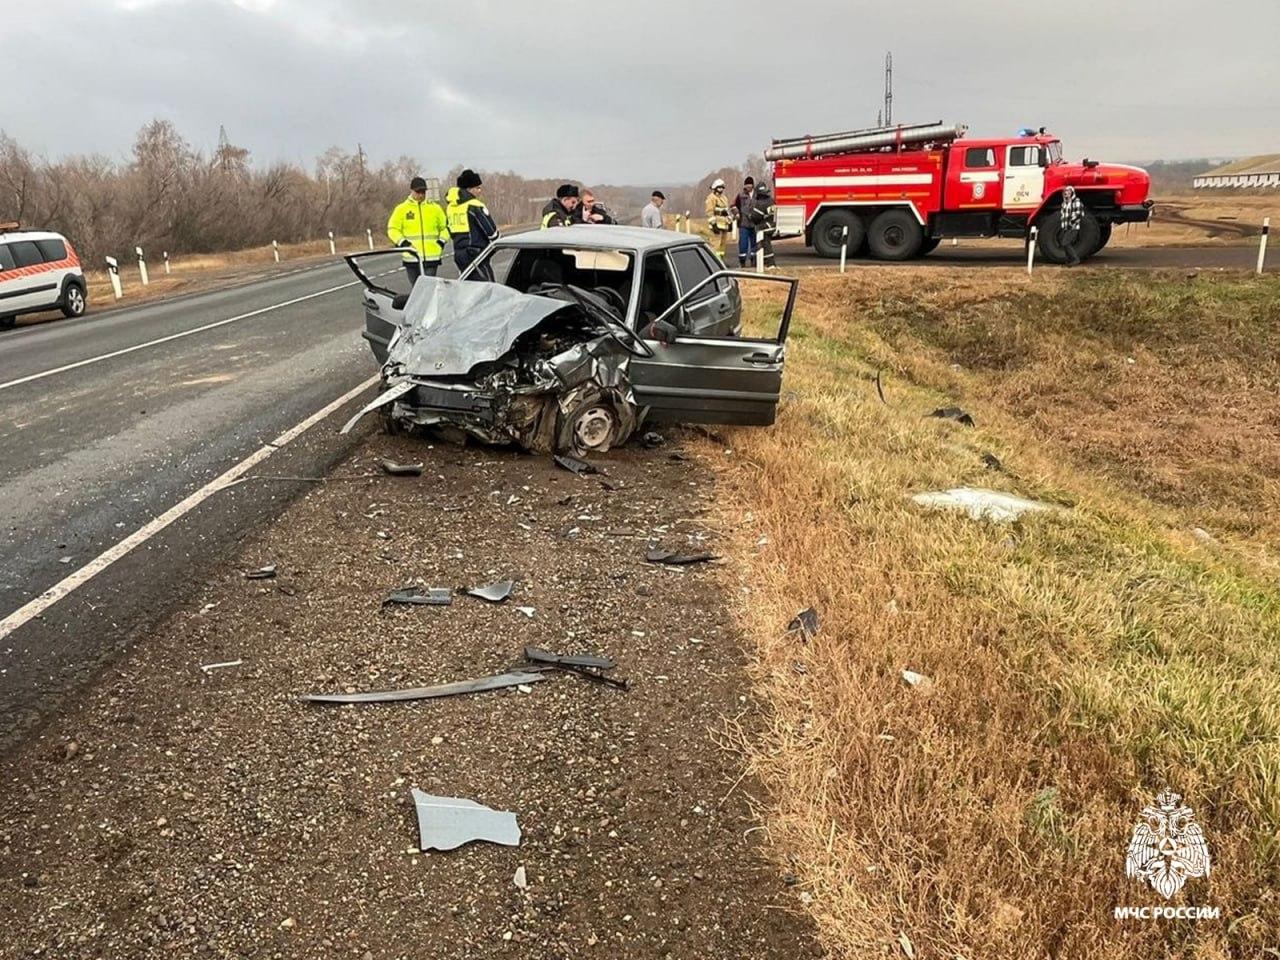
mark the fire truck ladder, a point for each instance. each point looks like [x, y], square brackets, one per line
[870, 138]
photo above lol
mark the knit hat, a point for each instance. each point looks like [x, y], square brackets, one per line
[417, 184]
[469, 178]
[566, 190]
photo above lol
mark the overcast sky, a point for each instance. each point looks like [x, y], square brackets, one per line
[643, 92]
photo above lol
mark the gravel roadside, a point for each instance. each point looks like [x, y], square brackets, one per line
[181, 813]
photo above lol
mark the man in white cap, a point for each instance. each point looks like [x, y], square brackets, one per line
[718, 216]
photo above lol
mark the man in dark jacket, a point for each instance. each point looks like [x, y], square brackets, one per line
[588, 211]
[742, 213]
[762, 217]
[470, 226]
[559, 212]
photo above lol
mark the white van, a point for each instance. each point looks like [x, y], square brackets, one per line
[39, 270]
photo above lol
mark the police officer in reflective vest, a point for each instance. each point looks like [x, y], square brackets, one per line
[418, 224]
[559, 212]
[470, 225]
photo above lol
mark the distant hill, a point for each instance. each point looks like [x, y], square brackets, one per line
[1171, 176]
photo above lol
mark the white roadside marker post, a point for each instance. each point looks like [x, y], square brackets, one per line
[759, 254]
[844, 246]
[167, 271]
[142, 266]
[275, 250]
[733, 230]
[332, 249]
[113, 268]
[1031, 250]
[955, 242]
[688, 224]
[369, 233]
[1262, 244]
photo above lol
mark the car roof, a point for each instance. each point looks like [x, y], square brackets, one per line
[599, 237]
[30, 235]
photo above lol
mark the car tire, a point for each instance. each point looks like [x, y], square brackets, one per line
[828, 233]
[73, 300]
[895, 235]
[591, 424]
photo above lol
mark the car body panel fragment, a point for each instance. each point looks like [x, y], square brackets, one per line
[479, 685]
[446, 823]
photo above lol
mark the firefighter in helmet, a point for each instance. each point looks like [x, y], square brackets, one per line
[762, 219]
[718, 216]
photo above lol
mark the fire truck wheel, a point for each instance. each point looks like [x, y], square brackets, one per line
[895, 235]
[1087, 243]
[929, 245]
[828, 233]
[1104, 236]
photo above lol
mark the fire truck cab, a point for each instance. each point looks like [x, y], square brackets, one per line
[897, 192]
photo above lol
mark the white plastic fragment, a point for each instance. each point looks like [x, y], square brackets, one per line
[982, 504]
[918, 680]
[446, 823]
[521, 880]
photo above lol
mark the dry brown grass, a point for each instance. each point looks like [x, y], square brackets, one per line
[1081, 661]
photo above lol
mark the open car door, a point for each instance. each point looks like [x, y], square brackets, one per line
[693, 378]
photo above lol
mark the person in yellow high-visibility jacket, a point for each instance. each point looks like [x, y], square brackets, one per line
[470, 224]
[419, 224]
[719, 216]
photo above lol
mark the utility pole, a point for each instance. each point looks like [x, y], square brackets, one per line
[888, 89]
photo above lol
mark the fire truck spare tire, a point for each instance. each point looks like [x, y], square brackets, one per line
[895, 235]
[828, 233]
[1087, 243]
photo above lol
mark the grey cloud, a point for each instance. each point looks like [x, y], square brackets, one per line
[627, 92]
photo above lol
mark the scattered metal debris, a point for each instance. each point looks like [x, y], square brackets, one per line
[446, 823]
[806, 621]
[880, 388]
[262, 573]
[992, 462]
[652, 439]
[479, 685]
[493, 592]
[952, 413]
[983, 504]
[575, 465]
[607, 485]
[673, 559]
[527, 611]
[584, 665]
[225, 665]
[677, 456]
[400, 469]
[416, 596]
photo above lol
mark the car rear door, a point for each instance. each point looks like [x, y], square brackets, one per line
[713, 308]
[25, 287]
[700, 378]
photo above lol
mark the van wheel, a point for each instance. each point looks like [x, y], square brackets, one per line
[895, 235]
[73, 302]
[828, 233]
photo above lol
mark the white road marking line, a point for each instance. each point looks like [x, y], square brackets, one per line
[95, 566]
[175, 336]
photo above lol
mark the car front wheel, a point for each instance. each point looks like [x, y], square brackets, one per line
[73, 301]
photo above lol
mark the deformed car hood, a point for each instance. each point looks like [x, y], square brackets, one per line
[451, 325]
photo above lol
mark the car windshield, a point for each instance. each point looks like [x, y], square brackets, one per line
[528, 268]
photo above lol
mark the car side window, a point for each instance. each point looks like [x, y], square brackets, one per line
[715, 266]
[25, 253]
[692, 270]
[52, 250]
[657, 289]
[980, 157]
[6, 257]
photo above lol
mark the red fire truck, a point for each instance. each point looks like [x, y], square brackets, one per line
[896, 192]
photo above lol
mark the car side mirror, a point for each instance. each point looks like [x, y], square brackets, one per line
[663, 331]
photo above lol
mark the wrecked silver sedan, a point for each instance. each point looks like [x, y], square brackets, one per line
[586, 334]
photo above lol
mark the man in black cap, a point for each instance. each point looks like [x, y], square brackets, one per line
[470, 225]
[418, 225]
[742, 205]
[559, 212]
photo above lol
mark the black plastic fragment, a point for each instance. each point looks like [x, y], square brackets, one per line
[673, 559]
[652, 439]
[493, 592]
[575, 465]
[400, 469]
[992, 462]
[262, 573]
[534, 655]
[806, 621]
[952, 413]
[416, 596]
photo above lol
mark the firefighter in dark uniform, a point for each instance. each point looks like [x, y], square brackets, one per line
[762, 221]
[470, 226]
[559, 212]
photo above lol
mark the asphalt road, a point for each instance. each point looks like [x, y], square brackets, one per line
[91, 452]
[792, 253]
